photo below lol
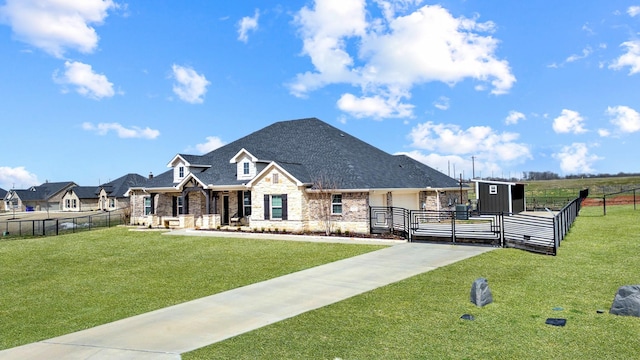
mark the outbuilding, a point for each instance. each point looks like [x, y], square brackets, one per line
[499, 196]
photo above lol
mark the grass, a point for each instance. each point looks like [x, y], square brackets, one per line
[419, 318]
[571, 187]
[57, 285]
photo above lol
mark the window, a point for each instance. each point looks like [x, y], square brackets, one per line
[75, 203]
[112, 203]
[147, 206]
[275, 178]
[246, 202]
[245, 168]
[336, 204]
[276, 206]
[68, 203]
[493, 189]
[181, 172]
[180, 205]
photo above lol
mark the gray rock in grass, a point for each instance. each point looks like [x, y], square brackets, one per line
[480, 292]
[627, 301]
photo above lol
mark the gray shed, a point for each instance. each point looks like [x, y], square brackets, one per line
[499, 196]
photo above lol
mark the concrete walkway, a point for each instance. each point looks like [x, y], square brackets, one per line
[169, 332]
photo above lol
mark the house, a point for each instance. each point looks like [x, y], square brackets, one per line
[113, 195]
[40, 198]
[80, 198]
[499, 196]
[298, 175]
[5, 205]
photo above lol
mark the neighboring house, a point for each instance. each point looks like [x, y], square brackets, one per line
[80, 198]
[113, 195]
[5, 205]
[40, 198]
[300, 176]
[499, 196]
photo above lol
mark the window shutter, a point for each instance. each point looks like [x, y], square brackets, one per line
[285, 214]
[267, 207]
[240, 203]
[174, 206]
[185, 209]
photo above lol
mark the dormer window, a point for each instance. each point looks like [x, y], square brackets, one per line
[245, 168]
[181, 171]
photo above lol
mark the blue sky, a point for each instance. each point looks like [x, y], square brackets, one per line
[92, 90]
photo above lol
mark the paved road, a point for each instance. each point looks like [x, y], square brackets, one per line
[169, 332]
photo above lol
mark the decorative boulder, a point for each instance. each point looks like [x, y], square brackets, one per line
[480, 292]
[627, 301]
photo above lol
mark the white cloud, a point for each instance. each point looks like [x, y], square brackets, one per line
[16, 178]
[576, 159]
[190, 86]
[123, 132]
[575, 57]
[631, 58]
[633, 11]
[455, 165]
[626, 119]
[376, 106]
[212, 143]
[442, 103]
[481, 141]
[396, 52]
[604, 133]
[86, 82]
[247, 24]
[56, 25]
[514, 117]
[569, 121]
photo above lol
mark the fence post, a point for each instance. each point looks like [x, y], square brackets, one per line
[634, 199]
[604, 204]
[57, 227]
[453, 226]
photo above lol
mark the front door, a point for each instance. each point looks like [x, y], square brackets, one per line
[225, 210]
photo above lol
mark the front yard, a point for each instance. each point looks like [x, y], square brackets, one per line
[55, 285]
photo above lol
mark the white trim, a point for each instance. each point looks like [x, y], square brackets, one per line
[242, 151]
[268, 168]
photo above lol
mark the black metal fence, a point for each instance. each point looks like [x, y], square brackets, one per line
[53, 227]
[541, 233]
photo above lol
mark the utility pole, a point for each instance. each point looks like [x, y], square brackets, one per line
[473, 166]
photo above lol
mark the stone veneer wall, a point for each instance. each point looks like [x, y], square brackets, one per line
[295, 199]
[354, 217]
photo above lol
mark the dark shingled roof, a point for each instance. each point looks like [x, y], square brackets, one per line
[44, 191]
[118, 187]
[85, 192]
[3, 192]
[311, 149]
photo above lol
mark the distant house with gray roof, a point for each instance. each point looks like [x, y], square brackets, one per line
[4, 206]
[80, 198]
[46, 196]
[114, 194]
[297, 175]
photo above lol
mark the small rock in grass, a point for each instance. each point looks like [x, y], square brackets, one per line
[627, 301]
[467, 317]
[480, 292]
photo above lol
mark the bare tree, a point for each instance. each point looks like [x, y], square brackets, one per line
[324, 188]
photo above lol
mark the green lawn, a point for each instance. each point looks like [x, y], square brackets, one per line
[419, 318]
[56, 285]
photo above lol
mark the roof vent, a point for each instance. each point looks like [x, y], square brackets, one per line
[341, 135]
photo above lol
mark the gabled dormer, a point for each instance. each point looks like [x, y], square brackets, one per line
[246, 165]
[183, 165]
